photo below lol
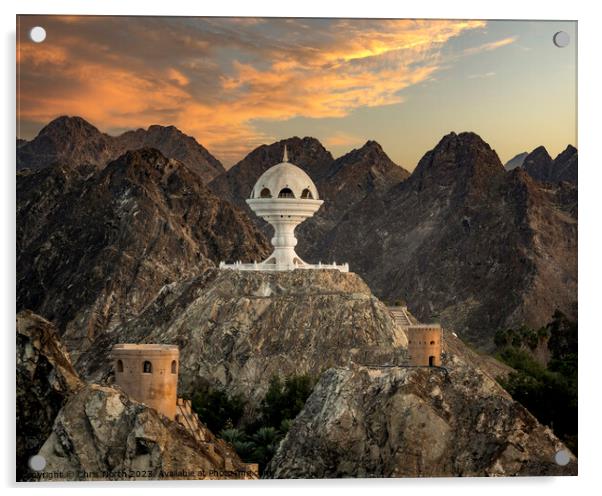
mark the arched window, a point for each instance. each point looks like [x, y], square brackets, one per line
[286, 193]
[147, 368]
[306, 194]
[432, 342]
[174, 367]
[265, 193]
[119, 366]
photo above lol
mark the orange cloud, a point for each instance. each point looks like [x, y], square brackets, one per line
[494, 45]
[177, 73]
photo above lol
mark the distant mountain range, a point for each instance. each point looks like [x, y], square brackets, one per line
[516, 161]
[460, 240]
[540, 166]
[75, 142]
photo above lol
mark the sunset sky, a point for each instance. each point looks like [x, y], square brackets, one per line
[235, 83]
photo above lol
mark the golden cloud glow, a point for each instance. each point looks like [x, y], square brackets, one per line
[216, 81]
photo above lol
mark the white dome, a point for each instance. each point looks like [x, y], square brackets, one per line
[282, 180]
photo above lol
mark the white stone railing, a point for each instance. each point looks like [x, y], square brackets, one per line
[280, 267]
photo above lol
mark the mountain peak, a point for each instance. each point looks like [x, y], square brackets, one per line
[465, 154]
[539, 153]
[568, 152]
[73, 126]
[148, 159]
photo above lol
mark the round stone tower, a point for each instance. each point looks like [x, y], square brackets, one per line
[424, 344]
[148, 373]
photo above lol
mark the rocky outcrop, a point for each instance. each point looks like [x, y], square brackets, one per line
[87, 432]
[415, 422]
[238, 329]
[100, 434]
[464, 242]
[565, 166]
[172, 143]
[540, 166]
[94, 251]
[74, 142]
[348, 180]
[45, 379]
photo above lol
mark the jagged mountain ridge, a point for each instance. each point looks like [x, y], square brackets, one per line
[75, 142]
[540, 166]
[93, 251]
[465, 242]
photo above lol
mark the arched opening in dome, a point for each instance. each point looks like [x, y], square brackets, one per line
[286, 193]
[306, 194]
[265, 193]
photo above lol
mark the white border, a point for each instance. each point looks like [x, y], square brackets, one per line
[590, 152]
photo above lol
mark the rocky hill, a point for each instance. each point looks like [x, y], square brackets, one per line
[540, 166]
[464, 242]
[74, 142]
[415, 422]
[69, 141]
[238, 329]
[92, 251]
[102, 433]
[172, 143]
[97, 430]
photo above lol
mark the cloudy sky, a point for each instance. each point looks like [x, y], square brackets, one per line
[234, 84]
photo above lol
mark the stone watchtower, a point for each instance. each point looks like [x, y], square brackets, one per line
[424, 344]
[149, 374]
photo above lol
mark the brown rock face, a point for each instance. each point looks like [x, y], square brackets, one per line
[464, 242]
[69, 141]
[172, 143]
[74, 142]
[415, 422]
[540, 166]
[103, 434]
[45, 378]
[94, 251]
[238, 329]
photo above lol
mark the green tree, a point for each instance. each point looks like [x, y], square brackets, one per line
[216, 408]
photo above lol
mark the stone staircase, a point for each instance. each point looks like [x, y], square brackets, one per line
[187, 418]
[401, 316]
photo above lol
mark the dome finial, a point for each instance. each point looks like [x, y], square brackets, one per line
[285, 158]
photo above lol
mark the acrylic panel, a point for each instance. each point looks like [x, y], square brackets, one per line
[295, 248]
